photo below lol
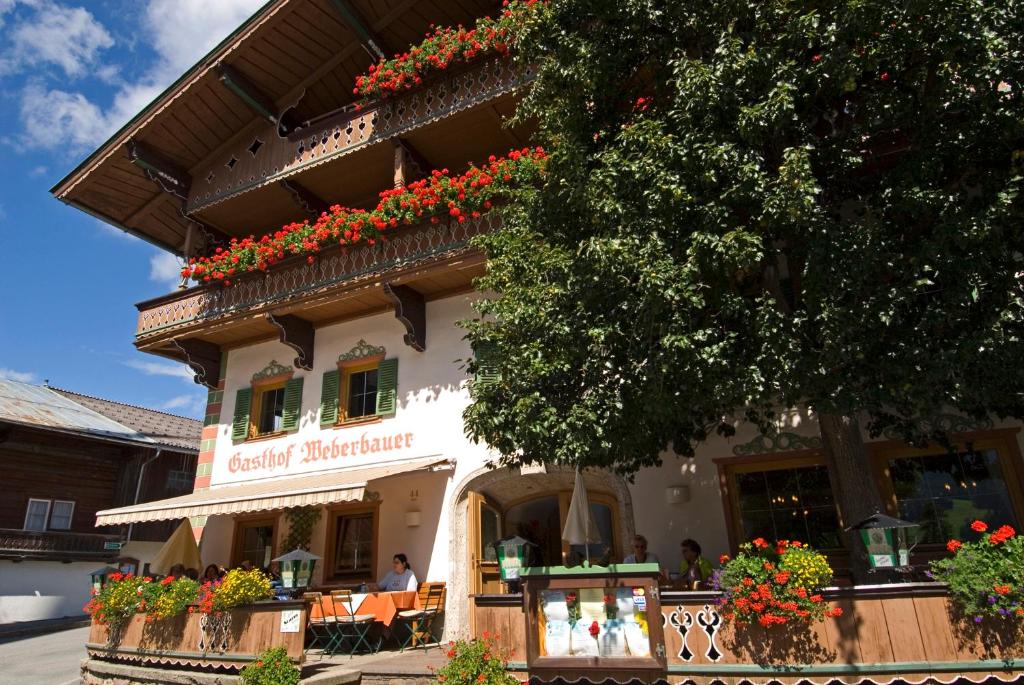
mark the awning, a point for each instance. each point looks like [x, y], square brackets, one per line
[324, 488]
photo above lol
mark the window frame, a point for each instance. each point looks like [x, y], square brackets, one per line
[335, 513]
[256, 521]
[256, 404]
[347, 369]
[46, 517]
[71, 516]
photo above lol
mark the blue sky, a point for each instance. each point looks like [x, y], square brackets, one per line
[70, 75]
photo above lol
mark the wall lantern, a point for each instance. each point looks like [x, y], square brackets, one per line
[99, 577]
[677, 494]
[885, 539]
[297, 568]
[412, 518]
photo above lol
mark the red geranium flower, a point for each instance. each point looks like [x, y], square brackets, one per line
[594, 629]
[954, 545]
[979, 526]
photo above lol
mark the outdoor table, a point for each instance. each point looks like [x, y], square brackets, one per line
[383, 605]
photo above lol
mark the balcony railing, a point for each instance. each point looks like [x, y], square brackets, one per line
[268, 157]
[295, 279]
[30, 544]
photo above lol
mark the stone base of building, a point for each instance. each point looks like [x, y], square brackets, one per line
[100, 672]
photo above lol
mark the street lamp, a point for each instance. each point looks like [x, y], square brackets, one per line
[99, 577]
[511, 554]
[297, 568]
[885, 539]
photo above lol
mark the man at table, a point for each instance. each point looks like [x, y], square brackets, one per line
[400, 578]
[694, 570]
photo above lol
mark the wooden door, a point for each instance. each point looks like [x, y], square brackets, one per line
[484, 529]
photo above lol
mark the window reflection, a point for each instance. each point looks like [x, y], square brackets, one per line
[789, 504]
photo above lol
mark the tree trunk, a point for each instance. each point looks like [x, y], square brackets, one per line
[853, 483]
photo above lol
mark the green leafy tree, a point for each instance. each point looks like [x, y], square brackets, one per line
[751, 206]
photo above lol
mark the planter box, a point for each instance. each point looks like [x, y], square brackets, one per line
[195, 640]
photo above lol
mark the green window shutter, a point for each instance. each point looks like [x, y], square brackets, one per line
[387, 387]
[486, 365]
[240, 424]
[329, 398]
[292, 405]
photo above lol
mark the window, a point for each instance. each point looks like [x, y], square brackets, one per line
[37, 514]
[786, 504]
[945, 492]
[268, 410]
[354, 543]
[361, 391]
[180, 481]
[254, 542]
[60, 516]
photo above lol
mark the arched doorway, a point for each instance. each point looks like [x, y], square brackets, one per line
[491, 504]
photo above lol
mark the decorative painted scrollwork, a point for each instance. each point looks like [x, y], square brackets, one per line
[272, 369]
[362, 350]
[709, 619]
[778, 442]
[682, 621]
[215, 632]
[942, 423]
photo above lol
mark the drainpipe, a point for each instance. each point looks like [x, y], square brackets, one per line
[138, 485]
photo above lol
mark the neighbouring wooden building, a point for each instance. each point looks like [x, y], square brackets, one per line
[337, 383]
[67, 456]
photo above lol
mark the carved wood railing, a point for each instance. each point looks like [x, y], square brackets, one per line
[269, 158]
[293, 279]
[906, 631]
[30, 544]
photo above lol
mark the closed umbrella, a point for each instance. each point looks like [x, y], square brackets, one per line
[180, 548]
[580, 528]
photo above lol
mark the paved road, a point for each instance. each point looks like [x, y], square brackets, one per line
[51, 659]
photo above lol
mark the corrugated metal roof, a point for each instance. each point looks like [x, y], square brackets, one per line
[36, 405]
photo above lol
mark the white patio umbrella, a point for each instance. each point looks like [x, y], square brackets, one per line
[180, 548]
[580, 528]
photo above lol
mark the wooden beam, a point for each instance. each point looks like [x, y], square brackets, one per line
[203, 358]
[305, 198]
[297, 334]
[254, 98]
[370, 40]
[411, 311]
[409, 163]
[162, 171]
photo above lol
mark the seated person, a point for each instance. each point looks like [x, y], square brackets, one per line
[640, 554]
[400, 578]
[212, 574]
[694, 570]
[177, 570]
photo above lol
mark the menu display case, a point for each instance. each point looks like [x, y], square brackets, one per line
[592, 622]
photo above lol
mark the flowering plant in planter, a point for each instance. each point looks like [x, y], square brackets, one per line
[468, 194]
[774, 584]
[237, 588]
[176, 594]
[124, 595]
[442, 47]
[986, 577]
[475, 662]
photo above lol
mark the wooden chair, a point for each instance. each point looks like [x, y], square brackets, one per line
[419, 622]
[353, 627]
[323, 628]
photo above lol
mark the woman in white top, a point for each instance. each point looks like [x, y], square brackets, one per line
[400, 577]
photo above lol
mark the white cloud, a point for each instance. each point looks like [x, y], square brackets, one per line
[190, 404]
[55, 118]
[180, 31]
[165, 268]
[66, 37]
[20, 376]
[37, 171]
[151, 368]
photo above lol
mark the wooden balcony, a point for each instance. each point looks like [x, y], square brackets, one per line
[266, 158]
[908, 632]
[344, 282]
[57, 545]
